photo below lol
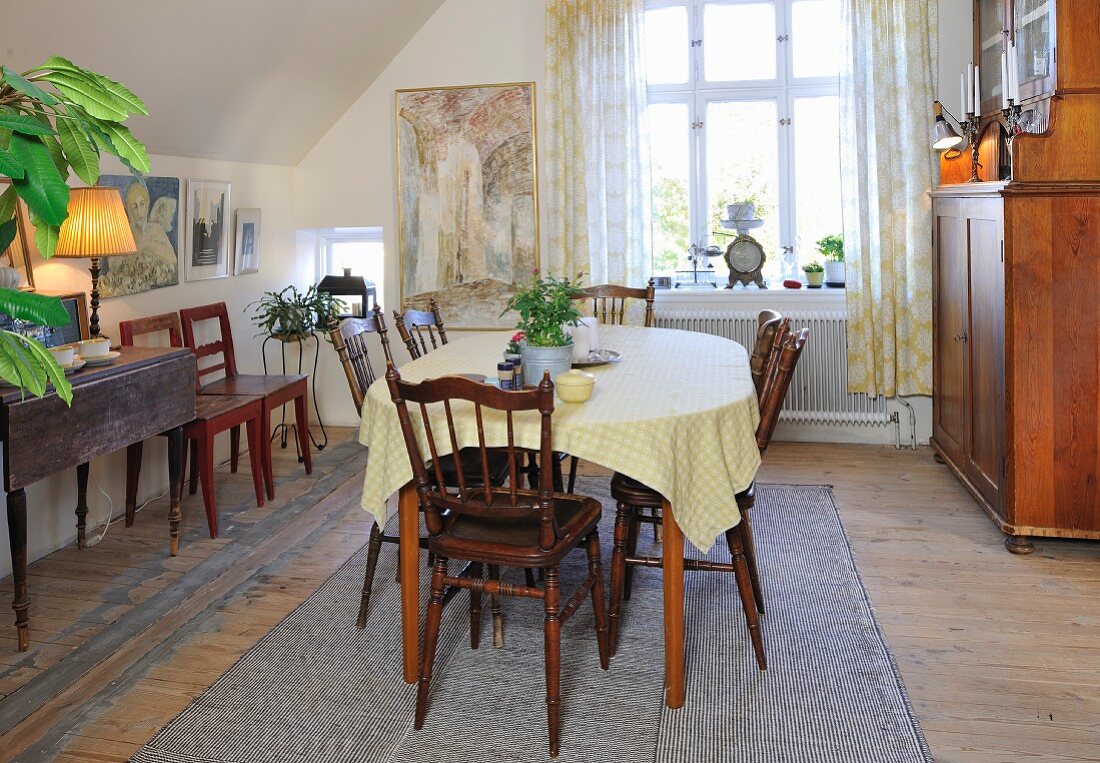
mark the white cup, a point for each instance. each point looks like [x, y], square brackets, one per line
[94, 348]
[63, 354]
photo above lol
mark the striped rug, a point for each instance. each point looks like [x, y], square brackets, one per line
[318, 689]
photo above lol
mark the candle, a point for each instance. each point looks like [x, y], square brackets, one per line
[970, 88]
[585, 339]
[962, 95]
[977, 91]
[1005, 84]
[1013, 72]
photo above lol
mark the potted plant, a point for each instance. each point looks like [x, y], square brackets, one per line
[289, 315]
[815, 274]
[514, 346]
[545, 307]
[832, 249]
[55, 119]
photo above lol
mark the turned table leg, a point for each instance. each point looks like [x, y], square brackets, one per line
[408, 516]
[175, 487]
[672, 563]
[81, 503]
[17, 538]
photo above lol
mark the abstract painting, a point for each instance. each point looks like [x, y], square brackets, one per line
[467, 199]
[247, 253]
[152, 206]
[208, 226]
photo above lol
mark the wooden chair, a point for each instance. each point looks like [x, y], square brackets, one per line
[767, 323]
[509, 527]
[213, 415]
[349, 339]
[418, 328]
[631, 495]
[274, 390]
[609, 302]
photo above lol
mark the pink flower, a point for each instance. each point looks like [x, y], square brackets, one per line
[518, 336]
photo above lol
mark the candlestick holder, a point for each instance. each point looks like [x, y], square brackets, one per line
[972, 128]
[1012, 118]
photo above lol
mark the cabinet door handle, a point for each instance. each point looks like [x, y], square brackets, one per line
[961, 337]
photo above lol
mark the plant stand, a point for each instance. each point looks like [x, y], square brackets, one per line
[282, 429]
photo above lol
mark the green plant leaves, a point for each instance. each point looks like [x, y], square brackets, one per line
[54, 373]
[126, 146]
[42, 186]
[25, 124]
[33, 308]
[9, 166]
[88, 94]
[8, 229]
[29, 89]
[8, 200]
[79, 151]
[28, 365]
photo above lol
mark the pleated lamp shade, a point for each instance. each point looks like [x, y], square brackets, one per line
[96, 225]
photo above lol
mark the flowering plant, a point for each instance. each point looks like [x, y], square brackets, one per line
[513, 343]
[544, 307]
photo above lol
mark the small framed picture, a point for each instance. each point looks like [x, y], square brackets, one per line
[247, 253]
[18, 254]
[207, 228]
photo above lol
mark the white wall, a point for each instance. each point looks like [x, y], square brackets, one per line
[50, 503]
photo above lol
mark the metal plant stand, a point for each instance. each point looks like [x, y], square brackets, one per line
[283, 429]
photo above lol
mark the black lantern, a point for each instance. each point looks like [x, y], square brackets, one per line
[356, 287]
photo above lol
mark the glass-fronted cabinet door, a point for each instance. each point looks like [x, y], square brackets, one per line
[990, 23]
[1034, 32]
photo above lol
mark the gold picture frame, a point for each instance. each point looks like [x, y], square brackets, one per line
[18, 254]
[467, 199]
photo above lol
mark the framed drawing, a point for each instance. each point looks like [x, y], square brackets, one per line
[246, 257]
[207, 226]
[467, 198]
[76, 305]
[18, 253]
[152, 206]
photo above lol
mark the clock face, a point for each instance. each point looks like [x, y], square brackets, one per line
[745, 255]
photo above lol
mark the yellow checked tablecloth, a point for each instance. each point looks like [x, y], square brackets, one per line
[678, 413]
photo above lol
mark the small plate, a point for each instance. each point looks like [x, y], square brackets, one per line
[598, 358]
[103, 360]
[76, 365]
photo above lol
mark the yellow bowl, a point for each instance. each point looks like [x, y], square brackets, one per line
[575, 386]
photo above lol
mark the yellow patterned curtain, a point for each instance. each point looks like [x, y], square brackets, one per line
[596, 167]
[886, 172]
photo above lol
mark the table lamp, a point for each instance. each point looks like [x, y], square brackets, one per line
[96, 227]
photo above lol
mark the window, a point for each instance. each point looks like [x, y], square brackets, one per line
[743, 107]
[358, 249]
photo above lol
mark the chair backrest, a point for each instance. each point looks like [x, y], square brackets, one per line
[434, 398]
[609, 301]
[350, 340]
[767, 323]
[416, 325]
[223, 345]
[785, 353]
[169, 322]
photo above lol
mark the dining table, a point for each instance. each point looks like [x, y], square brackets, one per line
[676, 411]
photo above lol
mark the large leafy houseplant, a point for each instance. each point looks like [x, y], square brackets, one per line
[291, 313]
[545, 307]
[55, 119]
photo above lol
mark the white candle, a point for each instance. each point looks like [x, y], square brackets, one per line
[970, 88]
[1005, 83]
[962, 95]
[977, 91]
[1013, 72]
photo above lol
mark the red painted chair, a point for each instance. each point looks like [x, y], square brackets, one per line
[213, 415]
[273, 390]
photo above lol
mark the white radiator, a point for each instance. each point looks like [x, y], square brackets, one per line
[819, 391]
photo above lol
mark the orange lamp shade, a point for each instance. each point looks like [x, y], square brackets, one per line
[96, 226]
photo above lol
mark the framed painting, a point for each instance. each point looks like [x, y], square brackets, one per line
[246, 256]
[467, 199]
[207, 226]
[152, 207]
[18, 253]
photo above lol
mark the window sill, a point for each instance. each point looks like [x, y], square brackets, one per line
[753, 296]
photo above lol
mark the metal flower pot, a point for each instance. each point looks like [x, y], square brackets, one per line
[536, 360]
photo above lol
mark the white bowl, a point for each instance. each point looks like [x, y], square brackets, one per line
[93, 348]
[63, 354]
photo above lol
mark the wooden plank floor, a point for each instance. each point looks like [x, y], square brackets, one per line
[999, 653]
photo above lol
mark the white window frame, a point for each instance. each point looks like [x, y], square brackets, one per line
[325, 241]
[784, 90]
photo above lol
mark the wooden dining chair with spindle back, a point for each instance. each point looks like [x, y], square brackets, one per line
[631, 495]
[420, 328]
[273, 390]
[500, 526]
[610, 302]
[214, 414]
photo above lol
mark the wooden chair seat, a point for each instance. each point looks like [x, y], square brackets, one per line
[278, 389]
[470, 459]
[211, 407]
[629, 490]
[515, 542]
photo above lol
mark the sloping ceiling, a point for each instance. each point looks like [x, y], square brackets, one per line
[244, 80]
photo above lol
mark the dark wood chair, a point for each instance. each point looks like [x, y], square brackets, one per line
[509, 527]
[631, 495]
[419, 328]
[213, 415]
[350, 340]
[274, 390]
[767, 324]
[609, 301]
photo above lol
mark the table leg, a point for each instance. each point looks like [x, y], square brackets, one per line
[672, 562]
[17, 538]
[408, 515]
[81, 503]
[175, 487]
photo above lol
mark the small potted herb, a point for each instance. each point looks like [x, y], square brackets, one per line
[832, 249]
[515, 344]
[290, 314]
[815, 274]
[545, 307]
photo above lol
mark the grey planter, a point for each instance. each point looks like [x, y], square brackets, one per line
[536, 360]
